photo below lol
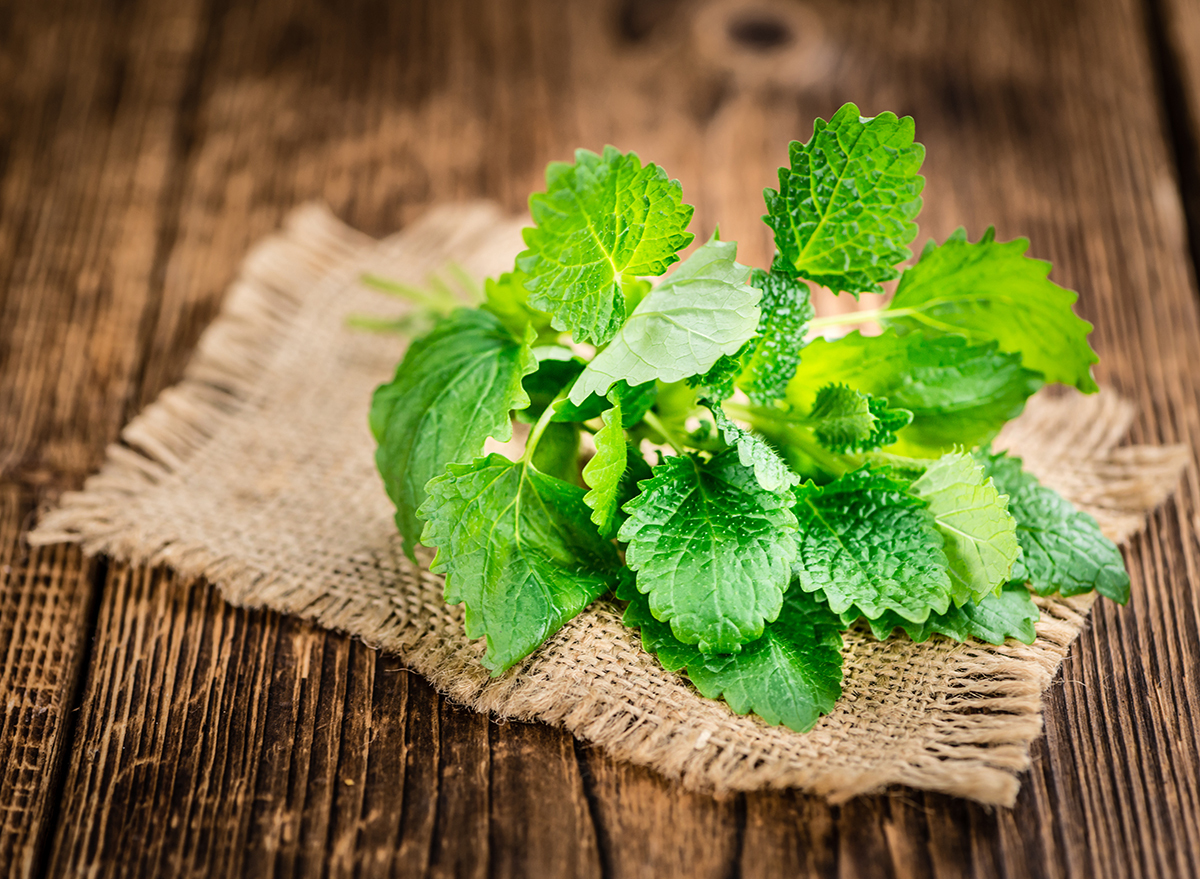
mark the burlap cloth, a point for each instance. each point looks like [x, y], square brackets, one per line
[256, 471]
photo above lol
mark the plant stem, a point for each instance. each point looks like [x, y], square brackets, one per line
[798, 435]
[653, 420]
[850, 317]
[758, 414]
[539, 428]
[376, 324]
[803, 440]
[879, 314]
[410, 293]
[468, 284]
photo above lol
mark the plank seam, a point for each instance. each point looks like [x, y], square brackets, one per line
[72, 710]
[1180, 127]
[604, 842]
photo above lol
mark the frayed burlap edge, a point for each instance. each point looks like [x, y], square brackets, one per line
[966, 733]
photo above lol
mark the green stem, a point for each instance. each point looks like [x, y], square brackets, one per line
[879, 314]
[408, 292]
[653, 420]
[758, 414]
[798, 435]
[899, 460]
[850, 317]
[377, 324]
[468, 283]
[539, 428]
[803, 440]
[737, 410]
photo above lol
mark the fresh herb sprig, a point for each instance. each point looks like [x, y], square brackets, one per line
[795, 484]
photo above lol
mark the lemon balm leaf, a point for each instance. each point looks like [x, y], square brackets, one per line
[701, 310]
[1063, 549]
[774, 352]
[841, 417]
[754, 452]
[791, 675]
[844, 213]
[864, 541]
[507, 299]
[601, 218]
[712, 549]
[959, 394]
[995, 619]
[454, 388]
[980, 534]
[604, 471]
[518, 550]
[990, 290]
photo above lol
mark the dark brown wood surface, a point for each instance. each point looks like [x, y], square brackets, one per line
[147, 728]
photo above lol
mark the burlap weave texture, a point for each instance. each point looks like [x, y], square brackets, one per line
[257, 473]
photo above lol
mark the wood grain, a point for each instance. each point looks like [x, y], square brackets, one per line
[144, 146]
[87, 117]
[45, 598]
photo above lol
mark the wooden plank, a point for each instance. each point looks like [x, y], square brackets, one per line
[1175, 33]
[245, 743]
[214, 740]
[45, 597]
[648, 827]
[87, 121]
[533, 765]
[451, 833]
[93, 110]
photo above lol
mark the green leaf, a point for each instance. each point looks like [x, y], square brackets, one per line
[719, 382]
[774, 353]
[888, 423]
[844, 211]
[711, 548]
[518, 549]
[600, 218]
[754, 452]
[672, 653]
[635, 290]
[845, 420]
[1011, 614]
[865, 541]
[1062, 548]
[991, 290]
[636, 402]
[702, 310]
[959, 394]
[557, 367]
[604, 471]
[675, 406]
[841, 418]
[454, 388]
[980, 535]
[557, 452]
[791, 675]
[507, 299]
[637, 470]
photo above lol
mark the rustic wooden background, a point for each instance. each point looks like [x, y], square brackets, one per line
[147, 728]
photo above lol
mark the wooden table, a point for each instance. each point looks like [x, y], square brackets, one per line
[148, 728]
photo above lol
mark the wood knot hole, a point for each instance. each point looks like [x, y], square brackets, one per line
[758, 31]
[762, 43]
